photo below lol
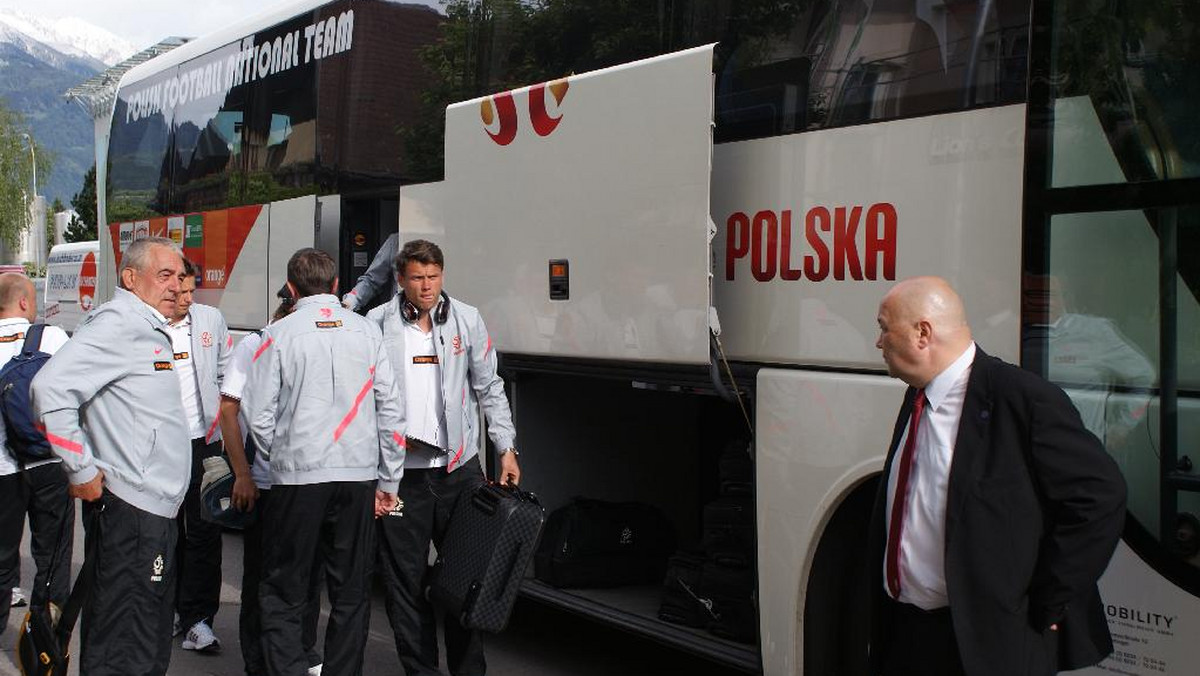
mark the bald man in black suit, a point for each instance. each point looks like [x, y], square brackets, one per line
[997, 513]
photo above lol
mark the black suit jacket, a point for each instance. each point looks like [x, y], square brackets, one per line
[1034, 510]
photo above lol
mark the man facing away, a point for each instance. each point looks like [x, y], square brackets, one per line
[248, 463]
[37, 488]
[446, 366]
[111, 406]
[325, 412]
[997, 513]
[202, 346]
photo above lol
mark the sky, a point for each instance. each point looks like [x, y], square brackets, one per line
[145, 22]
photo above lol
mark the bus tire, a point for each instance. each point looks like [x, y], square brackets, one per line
[836, 611]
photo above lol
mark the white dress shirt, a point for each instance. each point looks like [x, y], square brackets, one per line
[923, 531]
[423, 398]
[185, 367]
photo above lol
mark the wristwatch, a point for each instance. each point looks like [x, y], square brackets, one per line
[509, 450]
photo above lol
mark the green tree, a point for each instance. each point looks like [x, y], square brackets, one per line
[16, 175]
[82, 227]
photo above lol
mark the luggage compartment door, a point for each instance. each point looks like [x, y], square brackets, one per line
[574, 213]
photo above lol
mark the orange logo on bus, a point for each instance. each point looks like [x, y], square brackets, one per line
[499, 112]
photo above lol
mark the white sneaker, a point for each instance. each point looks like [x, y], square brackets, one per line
[18, 598]
[315, 671]
[200, 637]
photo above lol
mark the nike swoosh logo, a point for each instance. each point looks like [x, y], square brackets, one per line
[157, 350]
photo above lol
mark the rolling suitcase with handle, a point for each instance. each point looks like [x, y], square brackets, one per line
[489, 543]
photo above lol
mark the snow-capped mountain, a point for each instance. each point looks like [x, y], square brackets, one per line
[68, 35]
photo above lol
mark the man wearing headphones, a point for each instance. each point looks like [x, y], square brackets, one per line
[445, 367]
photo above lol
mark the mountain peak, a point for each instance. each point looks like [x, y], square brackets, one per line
[69, 35]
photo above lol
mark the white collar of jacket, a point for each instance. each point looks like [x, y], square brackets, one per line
[140, 306]
[318, 299]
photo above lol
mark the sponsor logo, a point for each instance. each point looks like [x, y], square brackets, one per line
[156, 569]
[398, 510]
[164, 366]
[180, 356]
[329, 325]
[457, 344]
[326, 312]
[846, 242]
[12, 339]
[158, 350]
[499, 112]
[626, 536]
[1139, 616]
[206, 339]
[87, 282]
[425, 359]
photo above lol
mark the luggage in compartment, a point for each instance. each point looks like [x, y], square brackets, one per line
[492, 536]
[681, 604]
[594, 543]
[735, 469]
[728, 531]
[730, 593]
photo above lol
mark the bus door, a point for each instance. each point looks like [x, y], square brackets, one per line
[574, 213]
[365, 224]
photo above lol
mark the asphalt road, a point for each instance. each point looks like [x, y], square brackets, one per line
[539, 641]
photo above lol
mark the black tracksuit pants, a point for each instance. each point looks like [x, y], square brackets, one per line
[126, 621]
[250, 617]
[199, 583]
[428, 497]
[41, 493]
[331, 523]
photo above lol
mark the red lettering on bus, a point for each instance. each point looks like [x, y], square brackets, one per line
[786, 270]
[767, 239]
[845, 248]
[737, 240]
[881, 240]
[762, 261]
[816, 267]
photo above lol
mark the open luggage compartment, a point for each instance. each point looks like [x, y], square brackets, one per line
[620, 439]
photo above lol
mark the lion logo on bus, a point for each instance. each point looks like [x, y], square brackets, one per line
[499, 112]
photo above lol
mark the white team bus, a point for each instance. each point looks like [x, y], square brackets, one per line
[679, 241]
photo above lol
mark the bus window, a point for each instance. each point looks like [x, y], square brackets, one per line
[140, 153]
[208, 141]
[281, 132]
[1127, 83]
[1095, 322]
[844, 63]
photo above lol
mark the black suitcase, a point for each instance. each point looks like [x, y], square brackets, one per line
[594, 543]
[735, 469]
[728, 531]
[681, 602]
[730, 595]
[492, 536]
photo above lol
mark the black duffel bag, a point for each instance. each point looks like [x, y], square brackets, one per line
[593, 543]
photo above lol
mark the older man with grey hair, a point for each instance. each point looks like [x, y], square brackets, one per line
[112, 410]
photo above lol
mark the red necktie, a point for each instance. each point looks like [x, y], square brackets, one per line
[900, 498]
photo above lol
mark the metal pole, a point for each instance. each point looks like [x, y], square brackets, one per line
[33, 157]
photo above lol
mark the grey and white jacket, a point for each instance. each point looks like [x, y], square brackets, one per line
[322, 401]
[469, 378]
[212, 346]
[110, 400]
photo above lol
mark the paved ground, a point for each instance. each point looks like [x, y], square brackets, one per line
[540, 641]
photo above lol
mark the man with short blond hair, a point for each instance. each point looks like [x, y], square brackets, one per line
[112, 410]
[997, 512]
